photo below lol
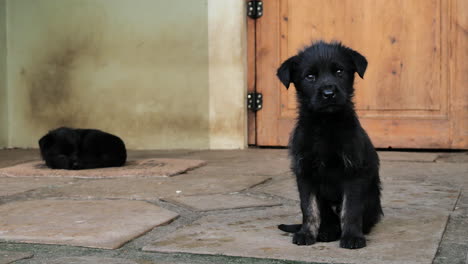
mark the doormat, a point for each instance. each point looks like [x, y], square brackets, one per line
[133, 168]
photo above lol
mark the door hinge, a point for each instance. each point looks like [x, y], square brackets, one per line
[254, 101]
[255, 9]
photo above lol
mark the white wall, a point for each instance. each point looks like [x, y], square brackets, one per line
[227, 31]
[3, 87]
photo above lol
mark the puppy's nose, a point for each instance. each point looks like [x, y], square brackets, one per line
[329, 92]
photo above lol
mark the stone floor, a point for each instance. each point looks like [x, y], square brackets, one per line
[226, 212]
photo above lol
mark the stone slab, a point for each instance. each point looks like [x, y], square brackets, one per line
[453, 173]
[257, 155]
[158, 188]
[458, 157]
[98, 224]
[223, 201]
[105, 260]
[452, 253]
[11, 186]
[404, 236]
[395, 194]
[246, 162]
[11, 256]
[10, 157]
[91, 260]
[408, 156]
[414, 194]
[286, 188]
[133, 168]
[247, 168]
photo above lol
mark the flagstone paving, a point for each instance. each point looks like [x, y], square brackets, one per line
[158, 188]
[228, 212]
[396, 193]
[100, 224]
[404, 236]
[10, 257]
[91, 260]
[132, 168]
[408, 156]
[224, 201]
[409, 232]
[285, 187]
[11, 186]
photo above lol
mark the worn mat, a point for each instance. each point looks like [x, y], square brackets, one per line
[133, 168]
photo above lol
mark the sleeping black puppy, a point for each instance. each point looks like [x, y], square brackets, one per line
[335, 163]
[76, 149]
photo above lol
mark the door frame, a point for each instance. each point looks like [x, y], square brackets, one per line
[251, 79]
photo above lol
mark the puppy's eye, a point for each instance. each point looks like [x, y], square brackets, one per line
[311, 77]
[339, 72]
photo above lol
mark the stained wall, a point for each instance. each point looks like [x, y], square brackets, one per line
[3, 70]
[148, 71]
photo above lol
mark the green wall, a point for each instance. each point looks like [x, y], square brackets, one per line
[160, 74]
[138, 69]
[3, 87]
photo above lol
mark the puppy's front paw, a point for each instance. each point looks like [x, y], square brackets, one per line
[352, 242]
[303, 238]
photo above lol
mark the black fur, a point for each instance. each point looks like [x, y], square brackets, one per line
[332, 156]
[75, 149]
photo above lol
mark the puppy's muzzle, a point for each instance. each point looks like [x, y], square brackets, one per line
[329, 92]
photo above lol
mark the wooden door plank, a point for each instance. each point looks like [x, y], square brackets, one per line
[415, 91]
[458, 52]
[267, 57]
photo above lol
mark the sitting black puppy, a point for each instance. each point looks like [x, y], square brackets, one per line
[76, 149]
[335, 163]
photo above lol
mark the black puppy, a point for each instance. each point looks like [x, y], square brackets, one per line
[75, 149]
[335, 163]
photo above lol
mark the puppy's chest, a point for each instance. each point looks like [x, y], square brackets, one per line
[329, 154]
[326, 156]
[326, 167]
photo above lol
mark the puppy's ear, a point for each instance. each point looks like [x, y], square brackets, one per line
[285, 71]
[359, 61]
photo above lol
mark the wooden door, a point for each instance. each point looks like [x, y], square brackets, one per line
[414, 94]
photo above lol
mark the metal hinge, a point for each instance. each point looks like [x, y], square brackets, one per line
[254, 101]
[255, 9]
